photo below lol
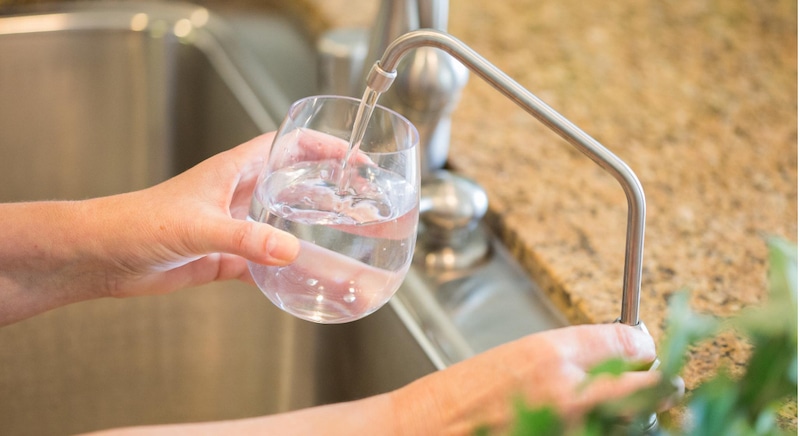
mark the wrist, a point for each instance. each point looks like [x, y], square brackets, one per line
[416, 409]
[41, 263]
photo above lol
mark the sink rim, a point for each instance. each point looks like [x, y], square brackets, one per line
[260, 95]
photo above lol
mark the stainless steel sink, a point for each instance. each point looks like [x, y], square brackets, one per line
[99, 98]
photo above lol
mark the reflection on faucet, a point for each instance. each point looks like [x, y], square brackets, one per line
[429, 82]
[428, 85]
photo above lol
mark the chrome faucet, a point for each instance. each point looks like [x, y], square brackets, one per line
[380, 79]
[429, 82]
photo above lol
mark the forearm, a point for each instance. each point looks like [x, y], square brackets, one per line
[44, 258]
[541, 369]
[384, 414]
[414, 410]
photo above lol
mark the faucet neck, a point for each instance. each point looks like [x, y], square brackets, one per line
[634, 247]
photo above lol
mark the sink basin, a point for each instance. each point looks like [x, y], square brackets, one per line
[100, 98]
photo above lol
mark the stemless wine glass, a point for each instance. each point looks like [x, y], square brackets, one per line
[357, 225]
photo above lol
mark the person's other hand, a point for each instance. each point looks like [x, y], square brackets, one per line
[543, 369]
[548, 368]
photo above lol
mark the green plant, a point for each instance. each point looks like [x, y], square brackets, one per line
[723, 405]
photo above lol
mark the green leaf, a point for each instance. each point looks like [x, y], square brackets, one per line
[791, 373]
[684, 329]
[782, 269]
[721, 405]
[765, 422]
[772, 327]
[768, 377]
[616, 366]
[779, 313]
[539, 421]
[713, 408]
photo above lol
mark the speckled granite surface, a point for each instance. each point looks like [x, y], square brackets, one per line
[700, 101]
[699, 98]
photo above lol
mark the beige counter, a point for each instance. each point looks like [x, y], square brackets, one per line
[699, 98]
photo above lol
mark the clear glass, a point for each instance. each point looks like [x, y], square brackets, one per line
[357, 226]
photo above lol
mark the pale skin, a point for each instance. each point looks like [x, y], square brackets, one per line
[191, 230]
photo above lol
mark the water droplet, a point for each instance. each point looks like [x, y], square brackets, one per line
[312, 282]
[349, 298]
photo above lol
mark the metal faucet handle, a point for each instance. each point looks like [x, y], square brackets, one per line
[451, 207]
[427, 90]
[451, 202]
[429, 82]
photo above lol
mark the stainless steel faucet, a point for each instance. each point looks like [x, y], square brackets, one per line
[430, 85]
[383, 70]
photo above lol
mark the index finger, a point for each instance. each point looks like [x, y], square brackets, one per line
[311, 144]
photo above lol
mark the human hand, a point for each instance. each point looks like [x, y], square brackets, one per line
[548, 368]
[190, 229]
[186, 231]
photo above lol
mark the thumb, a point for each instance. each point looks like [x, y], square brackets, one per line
[257, 242]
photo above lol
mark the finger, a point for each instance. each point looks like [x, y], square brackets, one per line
[251, 156]
[314, 145]
[256, 242]
[589, 345]
[237, 167]
[260, 145]
[206, 269]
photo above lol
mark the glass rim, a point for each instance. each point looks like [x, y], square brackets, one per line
[357, 101]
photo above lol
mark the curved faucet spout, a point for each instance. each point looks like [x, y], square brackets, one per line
[586, 144]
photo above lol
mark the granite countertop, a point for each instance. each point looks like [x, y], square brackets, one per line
[699, 98]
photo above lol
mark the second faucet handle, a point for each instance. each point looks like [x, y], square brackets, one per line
[451, 208]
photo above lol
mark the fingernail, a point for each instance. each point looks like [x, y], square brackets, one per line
[282, 246]
[645, 346]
